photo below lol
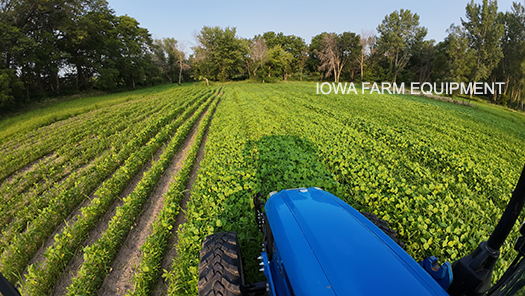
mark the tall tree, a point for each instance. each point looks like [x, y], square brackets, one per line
[338, 52]
[314, 48]
[422, 61]
[125, 59]
[257, 55]
[461, 57]
[512, 65]
[181, 62]
[86, 43]
[328, 56]
[170, 57]
[219, 54]
[164, 57]
[278, 64]
[399, 35]
[367, 40]
[48, 43]
[134, 41]
[14, 46]
[289, 43]
[484, 33]
[303, 58]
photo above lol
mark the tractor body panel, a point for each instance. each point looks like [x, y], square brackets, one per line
[322, 246]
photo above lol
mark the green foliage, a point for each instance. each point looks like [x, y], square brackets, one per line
[423, 165]
[156, 244]
[503, 99]
[167, 57]
[286, 161]
[95, 267]
[58, 46]
[9, 84]
[313, 49]
[47, 211]
[277, 66]
[337, 54]
[512, 65]
[107, 79]
[291, 44]
[462, 58]
[399, 35]
[219, 54]
[484, 34]
[69, 239]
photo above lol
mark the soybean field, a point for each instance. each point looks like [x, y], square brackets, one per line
[115, 197]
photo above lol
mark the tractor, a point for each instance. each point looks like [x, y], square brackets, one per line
[316, 244]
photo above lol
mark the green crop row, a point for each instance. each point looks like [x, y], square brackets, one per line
[69, 160]
[66, 134]
[100, 128]
[221, 194]
[156, 244]
[41, 278]
[429, 207]
[43, 143]
[439, 173]
[487, 176]
[48, 139]
[37, 202]
[23, 246]
[21, 127]
[98, 257]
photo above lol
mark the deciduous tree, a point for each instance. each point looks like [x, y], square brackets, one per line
[399, 34]
[219, 54]
[512, 66]
[461, 57]
[257, 55]
[338, 52]
[484, 33]
[367, 39]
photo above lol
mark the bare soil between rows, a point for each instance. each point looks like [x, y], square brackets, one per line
[162, 284]
[118, 281]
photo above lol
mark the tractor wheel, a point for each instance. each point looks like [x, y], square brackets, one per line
[220, 268]
[383, 225]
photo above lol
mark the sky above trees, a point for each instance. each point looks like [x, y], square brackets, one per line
[182, 19]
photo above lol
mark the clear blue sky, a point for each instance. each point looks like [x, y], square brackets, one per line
[181, 19]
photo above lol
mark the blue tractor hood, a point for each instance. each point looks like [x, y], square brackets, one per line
[326, 247]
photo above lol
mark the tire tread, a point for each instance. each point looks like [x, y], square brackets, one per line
[220, 268]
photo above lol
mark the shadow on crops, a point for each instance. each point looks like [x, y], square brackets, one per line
[285, 161]
[280, 162]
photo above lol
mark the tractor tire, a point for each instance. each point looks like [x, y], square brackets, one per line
[383, 225]
[220, 268]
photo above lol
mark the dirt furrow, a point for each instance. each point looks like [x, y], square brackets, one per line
[28, 168]
[118, 281]
[162, 284]
[39, 256]
[71, 270]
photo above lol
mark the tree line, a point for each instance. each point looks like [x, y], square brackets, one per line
[55, 47]
[52, 47]
[488, 46]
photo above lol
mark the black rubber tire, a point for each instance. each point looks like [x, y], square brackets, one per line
[383, 225]
[220, 268]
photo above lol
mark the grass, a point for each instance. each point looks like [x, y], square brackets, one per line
[53, 112]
